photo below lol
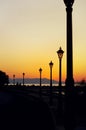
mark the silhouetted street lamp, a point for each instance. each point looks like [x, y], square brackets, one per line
[40, 71]
[60, 55]
[14, 79]
[69, 78]
[23, 78]
[51, 65]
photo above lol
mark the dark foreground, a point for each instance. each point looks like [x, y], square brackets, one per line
[30, 108]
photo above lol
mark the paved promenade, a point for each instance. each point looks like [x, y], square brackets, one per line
[14, 99]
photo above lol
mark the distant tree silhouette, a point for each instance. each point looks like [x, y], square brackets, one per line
[4, 78]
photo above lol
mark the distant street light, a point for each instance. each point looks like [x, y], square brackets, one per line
[60, 55]
[14, 79]
[40, 71]
[51, 65]
[23, 78]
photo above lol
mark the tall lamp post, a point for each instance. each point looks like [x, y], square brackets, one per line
[69, 106]
[60, 55]
[14, 79]
[51, 65]
[69, 78]
[23, 78]
[40, 71]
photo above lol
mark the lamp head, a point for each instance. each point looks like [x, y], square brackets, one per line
[23, 74]
[51, 64]
[60, 53]
[40, 70]
[68, 2]
[13, 75]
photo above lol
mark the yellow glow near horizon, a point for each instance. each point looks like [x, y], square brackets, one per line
[31, 31]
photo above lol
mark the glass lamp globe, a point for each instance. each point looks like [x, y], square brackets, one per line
[60, 53]
[40, 70]
[51, 64]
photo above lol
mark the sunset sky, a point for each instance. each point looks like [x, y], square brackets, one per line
[31, 31]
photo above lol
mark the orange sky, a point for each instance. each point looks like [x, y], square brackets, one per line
[31, 31]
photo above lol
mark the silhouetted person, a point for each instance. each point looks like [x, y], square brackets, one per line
[20, 112]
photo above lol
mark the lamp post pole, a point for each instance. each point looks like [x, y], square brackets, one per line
[51, 65]
[40, 71]
[69, 78]
[60, 72]
[23, 78]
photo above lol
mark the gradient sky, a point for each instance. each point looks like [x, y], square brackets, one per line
[31, 31]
